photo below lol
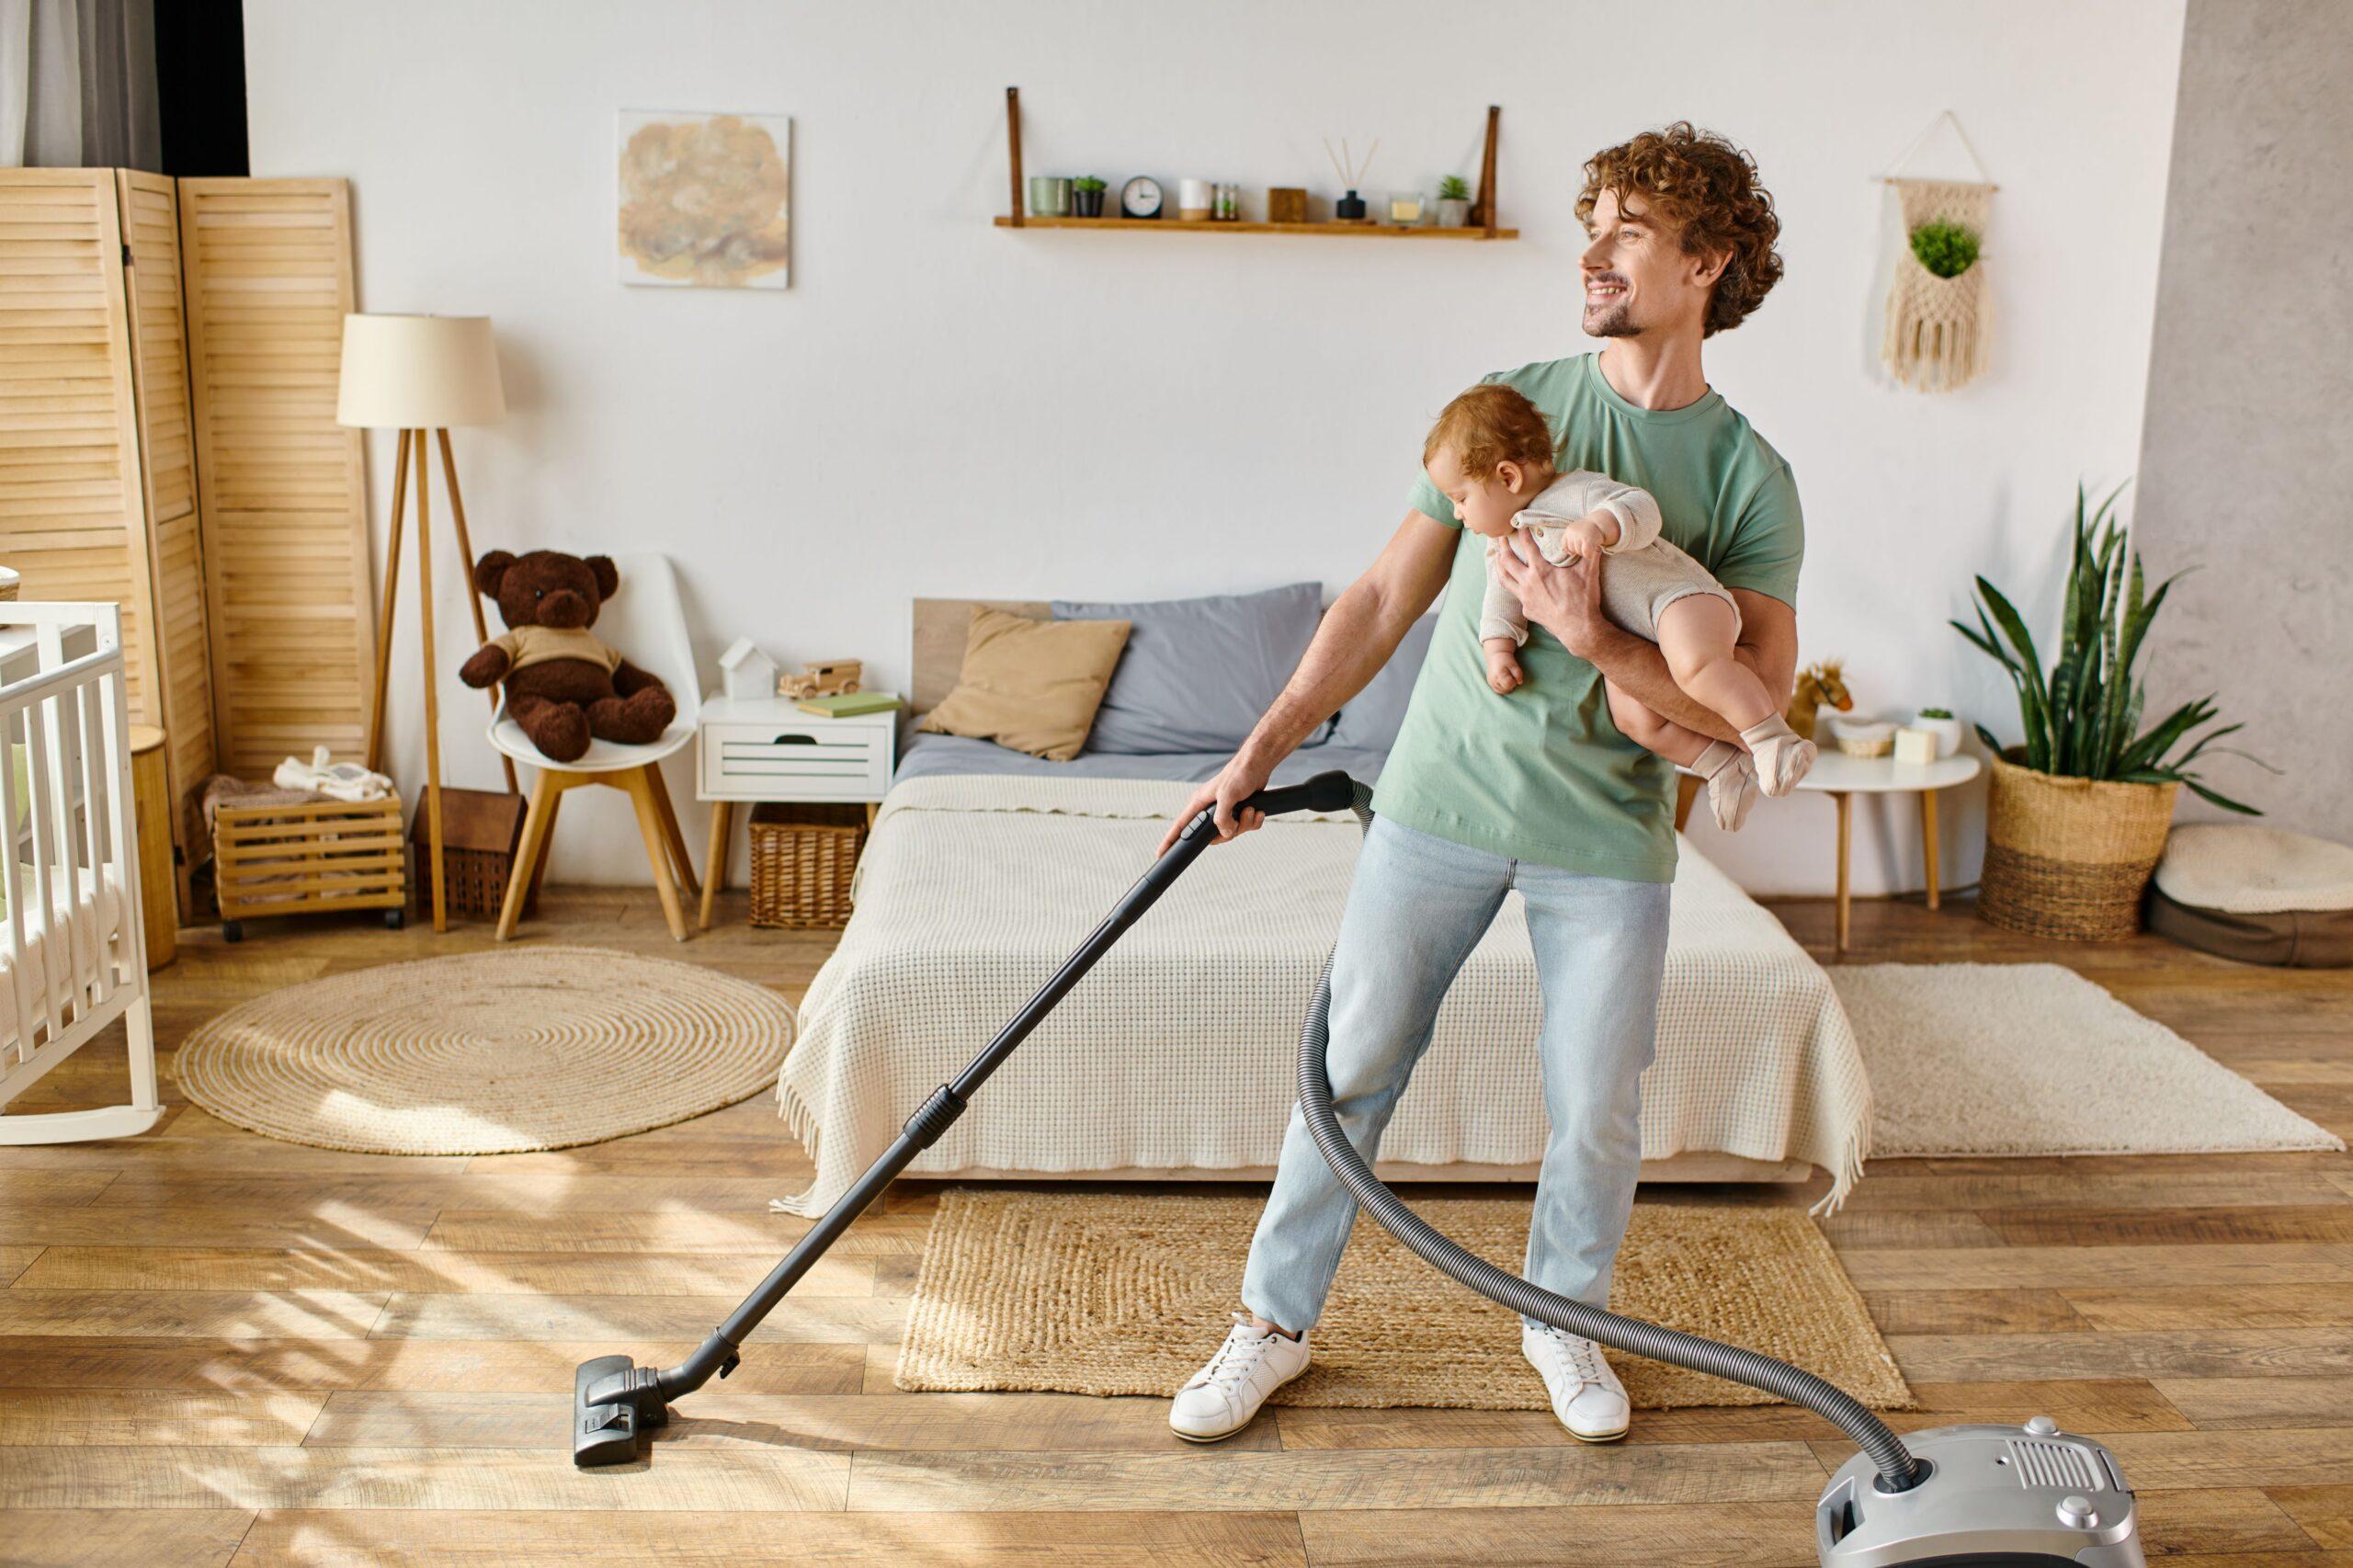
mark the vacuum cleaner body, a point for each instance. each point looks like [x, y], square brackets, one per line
[2011, 1495]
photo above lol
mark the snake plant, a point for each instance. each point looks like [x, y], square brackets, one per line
[2082, 721]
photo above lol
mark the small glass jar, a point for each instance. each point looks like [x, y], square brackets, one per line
[1406, 208]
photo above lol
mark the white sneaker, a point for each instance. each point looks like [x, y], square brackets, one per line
[1221, 1397]
[1587, 1395]
[1781, 761]
[1731, 792]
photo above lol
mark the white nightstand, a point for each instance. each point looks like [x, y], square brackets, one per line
[767, 749]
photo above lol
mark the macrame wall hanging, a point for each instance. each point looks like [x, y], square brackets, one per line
[1939, 316]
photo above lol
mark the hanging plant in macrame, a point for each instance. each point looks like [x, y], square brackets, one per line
[1939, 316]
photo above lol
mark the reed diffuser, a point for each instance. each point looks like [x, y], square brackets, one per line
[1350, 209]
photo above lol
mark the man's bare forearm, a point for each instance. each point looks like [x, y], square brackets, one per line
[1358, 635]
[1637, 668]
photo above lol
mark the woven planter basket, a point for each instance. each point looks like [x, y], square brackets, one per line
[2069, 857]
[802, 859]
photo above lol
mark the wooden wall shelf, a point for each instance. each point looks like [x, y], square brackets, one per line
[1225, 227]
[1481, 226]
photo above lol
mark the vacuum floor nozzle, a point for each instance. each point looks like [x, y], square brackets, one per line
[607, 1412]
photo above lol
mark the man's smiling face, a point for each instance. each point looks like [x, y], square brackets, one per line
[1638, 277]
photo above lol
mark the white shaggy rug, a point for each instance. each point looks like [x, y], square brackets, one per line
[2033, 1059]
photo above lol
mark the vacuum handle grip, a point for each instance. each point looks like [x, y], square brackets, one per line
[1333, 792]
[1330, 791]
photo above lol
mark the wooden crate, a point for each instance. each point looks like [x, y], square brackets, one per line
[481, 830]
[308, 859]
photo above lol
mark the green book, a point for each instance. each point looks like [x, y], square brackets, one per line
[849, 705]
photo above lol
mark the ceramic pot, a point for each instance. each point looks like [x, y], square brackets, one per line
[1049, 196]
[1453, 212]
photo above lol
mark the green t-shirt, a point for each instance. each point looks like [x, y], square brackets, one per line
[1543, 773]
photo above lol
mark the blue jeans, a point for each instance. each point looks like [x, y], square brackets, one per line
[1418, 905]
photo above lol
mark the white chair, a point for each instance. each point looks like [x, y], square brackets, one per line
[645, 621]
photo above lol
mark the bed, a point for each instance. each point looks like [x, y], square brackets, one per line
[1173, 1058]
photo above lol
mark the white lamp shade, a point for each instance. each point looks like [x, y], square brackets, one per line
[418, 373]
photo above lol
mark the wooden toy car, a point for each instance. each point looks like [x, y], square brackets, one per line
[822, 677]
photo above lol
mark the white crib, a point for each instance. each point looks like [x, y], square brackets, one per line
[72, 951]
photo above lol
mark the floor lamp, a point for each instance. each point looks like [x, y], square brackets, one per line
[421, 375]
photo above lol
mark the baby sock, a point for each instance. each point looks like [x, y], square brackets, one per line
[1732, 783]
[1781, 756]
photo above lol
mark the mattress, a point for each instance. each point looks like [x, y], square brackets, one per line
[47, 955]
[936, 756]
[1176, 1051]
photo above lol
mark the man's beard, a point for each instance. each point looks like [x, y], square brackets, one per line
[1613, 320]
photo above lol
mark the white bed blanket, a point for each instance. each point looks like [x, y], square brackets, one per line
[1176, 1051]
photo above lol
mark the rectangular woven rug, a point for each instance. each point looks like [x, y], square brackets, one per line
[1130, 1294]
[2033, 1059]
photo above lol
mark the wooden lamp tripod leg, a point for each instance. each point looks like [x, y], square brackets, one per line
[432, 699]
[391, 596]
[474, 598]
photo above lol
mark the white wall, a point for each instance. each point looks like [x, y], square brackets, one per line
[937, 406]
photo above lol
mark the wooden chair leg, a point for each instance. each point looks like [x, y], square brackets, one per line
[657, 850]
[671, 837]
[714, 860]
[1687, 785]
[537, 821]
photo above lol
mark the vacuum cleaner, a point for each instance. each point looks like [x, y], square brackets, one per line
[1966, 1494]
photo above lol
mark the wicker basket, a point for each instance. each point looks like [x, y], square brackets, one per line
[2069, 857]
[802, 856]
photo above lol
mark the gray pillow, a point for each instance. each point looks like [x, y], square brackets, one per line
[1198, 674]
[1373, 716]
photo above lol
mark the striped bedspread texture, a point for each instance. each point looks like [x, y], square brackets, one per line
[1177, 1052]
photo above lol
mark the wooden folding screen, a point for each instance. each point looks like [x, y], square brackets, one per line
[151, 231]
[283, 488]
[72, 503]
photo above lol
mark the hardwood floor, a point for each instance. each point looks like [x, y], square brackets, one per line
[217, 1348]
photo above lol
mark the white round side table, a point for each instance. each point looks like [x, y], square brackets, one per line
[1842, 778]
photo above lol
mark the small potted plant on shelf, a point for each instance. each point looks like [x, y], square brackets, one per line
[2080, 808]
[1086, 196]
[1939, 722]
[1453, 203]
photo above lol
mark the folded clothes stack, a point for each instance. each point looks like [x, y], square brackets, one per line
[296, 783]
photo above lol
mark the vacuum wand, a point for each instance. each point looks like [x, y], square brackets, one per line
[614, 1398]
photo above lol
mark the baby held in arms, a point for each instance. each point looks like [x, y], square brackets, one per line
[1490, 453]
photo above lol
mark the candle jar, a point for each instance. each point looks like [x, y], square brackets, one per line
[1406, 208]
[1195, 201]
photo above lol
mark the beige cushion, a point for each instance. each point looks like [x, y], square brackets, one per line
[1030, 685]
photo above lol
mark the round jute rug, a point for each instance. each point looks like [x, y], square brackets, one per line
[488, 1053]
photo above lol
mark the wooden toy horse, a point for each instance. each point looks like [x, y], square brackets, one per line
[1818, 684]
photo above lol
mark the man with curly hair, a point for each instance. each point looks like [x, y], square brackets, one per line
[1536, 790]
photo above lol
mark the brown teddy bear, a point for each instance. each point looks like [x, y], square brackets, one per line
[565, 686]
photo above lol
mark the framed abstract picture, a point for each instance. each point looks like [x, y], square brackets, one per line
[705, 200]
